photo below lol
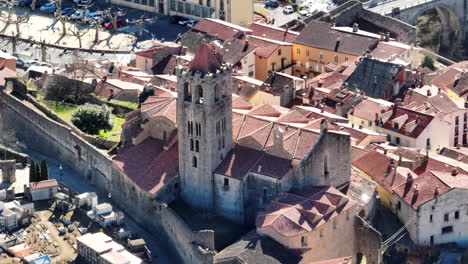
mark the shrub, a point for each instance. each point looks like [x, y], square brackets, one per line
[91, 118]
[428, 62]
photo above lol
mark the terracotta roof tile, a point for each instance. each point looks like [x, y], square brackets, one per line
[43, 184]
[293, 215]
[272, 32]
[422, 121]
[205, 60]
[238, 162]
[148, 165]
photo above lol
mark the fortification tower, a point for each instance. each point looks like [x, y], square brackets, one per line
[204, 119]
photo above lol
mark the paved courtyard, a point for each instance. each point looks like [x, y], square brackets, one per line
[43, 27]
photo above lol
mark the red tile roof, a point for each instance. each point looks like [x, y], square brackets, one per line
[424, 188]
[265, 47]
[43, 184]
[379, 167]
[384, 51]
[219, 29]
[367, 109]
[205, 60]
[148, 165]
[293, 215]
[272, 32]
[238, 162]
[421, 120]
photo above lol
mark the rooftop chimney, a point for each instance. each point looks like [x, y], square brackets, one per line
[385, 151]
[454, 172]
[387, 36]
[428, 92]
[416, 190]
[458, 146]
[436, 191]
[278, 134]
[409, 178]
[338, 41]
[323, 126]
[355, 27]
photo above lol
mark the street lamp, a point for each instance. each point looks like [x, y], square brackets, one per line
[61, 173]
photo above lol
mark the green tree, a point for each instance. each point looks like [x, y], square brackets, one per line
[91, 118]
[38, 172]
[32, 171]
[44, 170]
[428, 62]
[147, 92]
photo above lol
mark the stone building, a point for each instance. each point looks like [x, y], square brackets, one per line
[229, 157]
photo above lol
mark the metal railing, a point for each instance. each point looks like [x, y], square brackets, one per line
[405, 5]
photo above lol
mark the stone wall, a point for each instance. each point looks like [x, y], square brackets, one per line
[368, 241]
[42, 134]
[194, 246]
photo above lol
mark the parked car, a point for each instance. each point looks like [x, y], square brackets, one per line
[271, 4]
[288, 10]
[79, 14]
[120, 23]
[68, 11]
[24, 2]
[189, 22]
[49, 7]
[20, 63]
[94, 17]
[303, 14]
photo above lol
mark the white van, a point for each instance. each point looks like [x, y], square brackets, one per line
[303, 14]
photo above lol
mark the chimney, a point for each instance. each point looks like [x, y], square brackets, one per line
[320, 83]
[338, 41]
[360, 126]
[428, 92]
[458, 146]
[439, 90]
[246, 45]
[286, 33]
[323, 126]
[385, 151]
[400, 159]
[278, 134]
[436, 191]
[387, 36]
[416, 190]
[454, 172]
[409, 178]
[355, 27]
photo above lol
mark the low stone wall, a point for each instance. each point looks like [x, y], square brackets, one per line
[10, 154]
[45, 135]
[193, 246]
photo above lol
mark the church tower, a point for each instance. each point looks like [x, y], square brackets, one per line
[204, 120]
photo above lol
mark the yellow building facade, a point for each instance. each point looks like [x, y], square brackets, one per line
[386, 197]
[311, 61]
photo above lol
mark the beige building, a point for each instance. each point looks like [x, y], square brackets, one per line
[238, 12]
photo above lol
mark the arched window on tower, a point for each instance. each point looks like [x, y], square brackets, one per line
[197, 147]
[217, 93]
[200, 94]
[191, 144]
[187, 92]
[194, 162]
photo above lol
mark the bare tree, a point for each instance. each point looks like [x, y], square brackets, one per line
[141, 22]
[78, 33]
[21, 20]
[58, 4]
[14, 41]
[113, 15]
[11, 9]
[63, 20]
[97, 26]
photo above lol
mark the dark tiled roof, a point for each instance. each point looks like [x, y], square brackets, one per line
[238, 162]
[277, 83]
[320, 35]
[271, 32]
[374, 77]
[265, 47]
[253, 248]
[219, 29]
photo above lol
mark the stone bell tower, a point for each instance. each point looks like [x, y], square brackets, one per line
[204, 120]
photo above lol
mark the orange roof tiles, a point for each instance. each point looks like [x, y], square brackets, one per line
[43, 184]
[205, 60]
